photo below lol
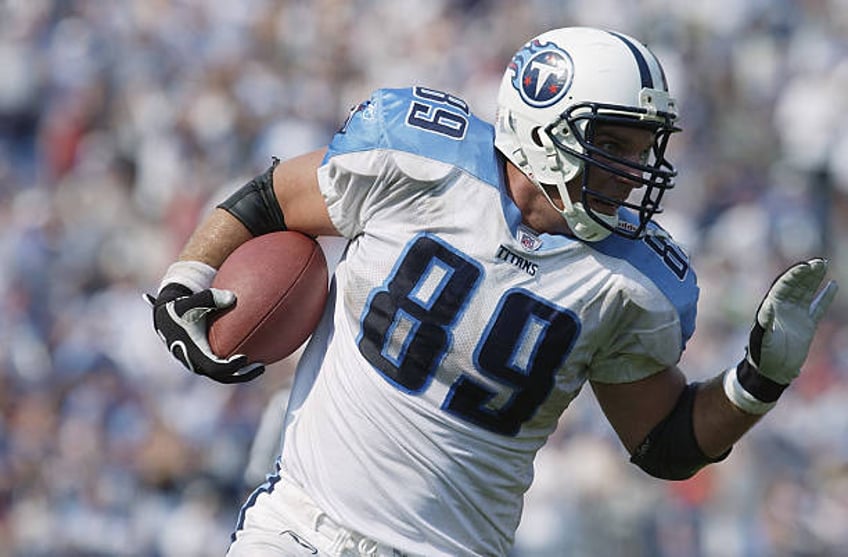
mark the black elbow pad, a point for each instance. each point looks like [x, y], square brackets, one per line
[255, 204]
[670, 451]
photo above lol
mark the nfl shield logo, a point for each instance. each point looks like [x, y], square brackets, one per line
[529, 240]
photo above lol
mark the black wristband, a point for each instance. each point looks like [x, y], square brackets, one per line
[759, 386]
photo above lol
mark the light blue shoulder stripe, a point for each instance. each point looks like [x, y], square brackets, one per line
[407, 120]
[663, 262]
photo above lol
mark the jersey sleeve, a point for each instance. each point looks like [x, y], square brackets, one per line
[355, 165]
[394, 147]
[650, 316]
[642, 342]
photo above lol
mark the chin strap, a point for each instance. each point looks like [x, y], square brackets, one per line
[581, 224]
[575, 215]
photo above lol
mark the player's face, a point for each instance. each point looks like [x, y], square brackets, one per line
[622, 142]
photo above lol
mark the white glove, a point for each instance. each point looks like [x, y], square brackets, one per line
[781, 336]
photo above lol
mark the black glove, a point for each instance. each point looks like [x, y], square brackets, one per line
[179, 317]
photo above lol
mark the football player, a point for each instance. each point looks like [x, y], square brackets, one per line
[492, 272]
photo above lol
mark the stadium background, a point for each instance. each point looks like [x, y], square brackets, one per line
[120, 122]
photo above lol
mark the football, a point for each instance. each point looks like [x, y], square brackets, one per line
[280, 281]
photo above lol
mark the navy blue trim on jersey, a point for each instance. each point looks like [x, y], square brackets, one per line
[644, 71]
[422, 122]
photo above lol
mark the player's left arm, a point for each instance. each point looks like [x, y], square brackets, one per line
[672, 429]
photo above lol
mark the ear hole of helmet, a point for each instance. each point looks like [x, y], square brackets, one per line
[561, 132]
[534, 135]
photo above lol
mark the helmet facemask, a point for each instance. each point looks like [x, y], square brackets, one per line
[574, 134]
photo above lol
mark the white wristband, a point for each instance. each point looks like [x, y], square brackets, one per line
[741, 398]
[194, 275]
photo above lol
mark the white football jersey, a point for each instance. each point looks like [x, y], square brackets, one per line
[455, 336]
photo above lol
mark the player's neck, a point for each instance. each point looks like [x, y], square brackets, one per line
[536, 211]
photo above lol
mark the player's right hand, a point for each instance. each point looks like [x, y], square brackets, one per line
[180, 319]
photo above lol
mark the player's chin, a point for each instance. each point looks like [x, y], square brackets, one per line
[606, 208]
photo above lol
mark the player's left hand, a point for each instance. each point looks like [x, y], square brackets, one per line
[787, 319]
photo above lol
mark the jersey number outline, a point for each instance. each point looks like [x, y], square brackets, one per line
[672, 256]
[435, 113]
[406, 331]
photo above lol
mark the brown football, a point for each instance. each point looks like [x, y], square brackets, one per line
[280, 282]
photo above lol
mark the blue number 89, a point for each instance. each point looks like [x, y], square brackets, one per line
[407, 330]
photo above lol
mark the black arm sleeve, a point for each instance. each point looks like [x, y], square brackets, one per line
[670, 451]
[255, 204]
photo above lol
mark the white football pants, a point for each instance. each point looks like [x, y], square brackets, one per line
[280, 520]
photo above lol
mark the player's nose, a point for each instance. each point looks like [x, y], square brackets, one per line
[628, 177]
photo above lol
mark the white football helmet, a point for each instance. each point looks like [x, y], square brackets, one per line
[554, 91]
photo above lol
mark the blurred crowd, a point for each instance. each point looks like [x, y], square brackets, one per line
[121, 123]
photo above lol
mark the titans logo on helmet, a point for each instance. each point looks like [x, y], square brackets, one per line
[542, 73]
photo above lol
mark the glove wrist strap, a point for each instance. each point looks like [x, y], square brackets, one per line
[194, 275]
[740, 396]
[756, 383]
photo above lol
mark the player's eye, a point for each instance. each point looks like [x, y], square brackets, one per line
[610, 147]
[618, 150]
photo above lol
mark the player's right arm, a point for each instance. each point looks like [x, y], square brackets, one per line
[295, 184]
[286, 196]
